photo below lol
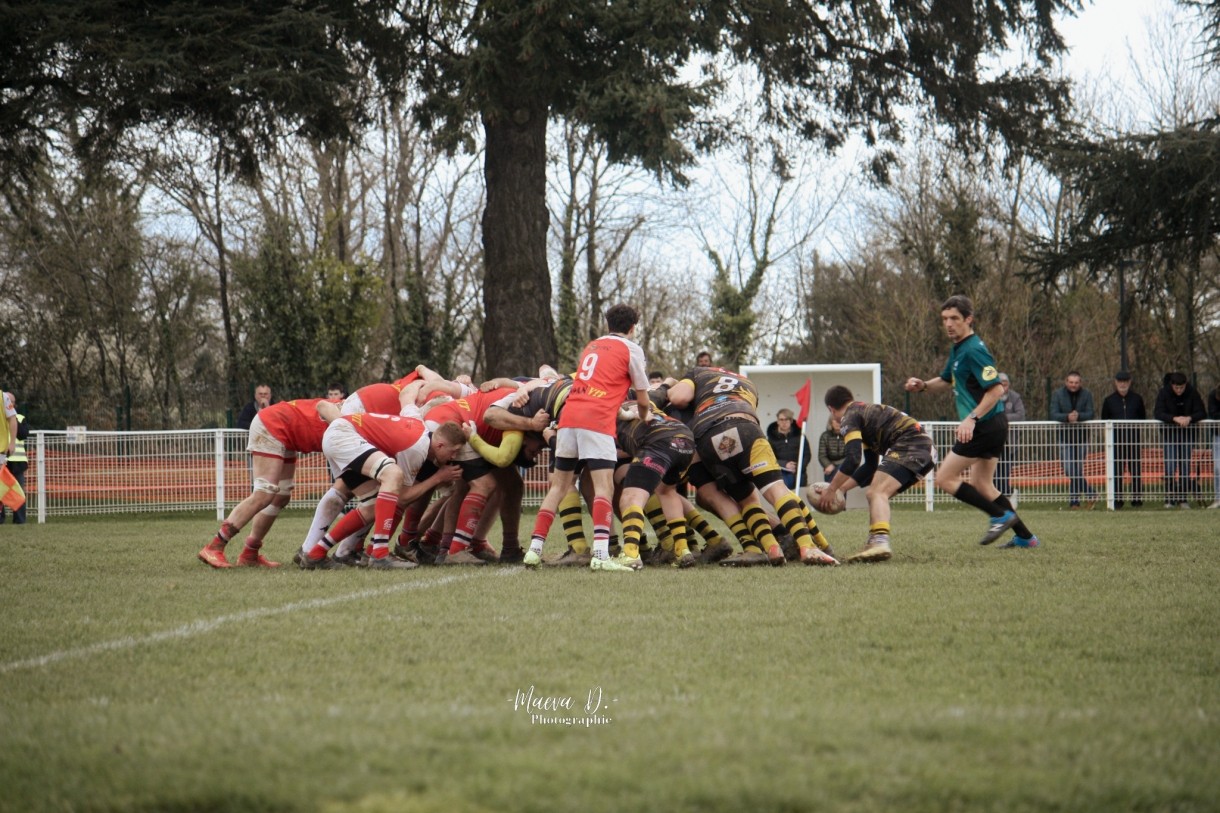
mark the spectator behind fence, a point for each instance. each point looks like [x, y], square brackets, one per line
[262, 399]
[1014, 410]
[17, 462]
[1125, 405]
[1178, 406]
[1213, 412]
[831, 449]
[8, 427]
[788, 443]
[1072, 406]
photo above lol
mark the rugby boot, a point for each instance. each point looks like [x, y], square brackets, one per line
[746, 559]
[257, 560]
[813, 556]
[214, 557]
[876, 550]
[570, 558]
[610, 565]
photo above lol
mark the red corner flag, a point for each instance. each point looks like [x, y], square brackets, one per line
[802, 398]
[13, 496]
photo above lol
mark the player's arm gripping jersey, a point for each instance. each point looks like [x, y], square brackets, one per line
[549, 399]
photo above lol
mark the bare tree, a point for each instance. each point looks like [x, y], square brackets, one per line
[598, 210]
[776, 211]
[190, 172]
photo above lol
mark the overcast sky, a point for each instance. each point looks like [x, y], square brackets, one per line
[1103, 41]
[1106, 33]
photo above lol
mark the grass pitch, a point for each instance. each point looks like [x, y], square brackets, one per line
[1081, 676]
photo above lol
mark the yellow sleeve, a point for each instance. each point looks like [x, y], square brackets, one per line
[502, 455]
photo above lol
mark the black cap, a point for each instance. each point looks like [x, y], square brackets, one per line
[1122, 375]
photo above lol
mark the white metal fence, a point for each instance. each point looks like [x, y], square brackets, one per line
[127, 472]
[187, 470]
[1033, 469]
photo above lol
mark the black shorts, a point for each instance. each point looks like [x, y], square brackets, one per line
[663, 463]
[426, 470]
[905, 476]
[736, 453]
[990, 437]
[351, 476]
[913, 452]
[700, 475]
[474, 468]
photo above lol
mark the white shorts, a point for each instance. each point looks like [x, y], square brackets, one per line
[342, 444]
[262, 442]
[352, 405]
[584, 444]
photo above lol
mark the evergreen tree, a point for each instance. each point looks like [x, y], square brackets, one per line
[827, 71]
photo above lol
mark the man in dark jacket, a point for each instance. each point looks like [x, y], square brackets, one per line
[1125, 405]
[1179, 407]
[1072, 407]
[262, 399]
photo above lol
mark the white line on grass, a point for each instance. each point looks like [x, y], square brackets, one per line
[208, 625]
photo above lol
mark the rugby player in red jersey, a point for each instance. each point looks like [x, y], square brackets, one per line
[609, 367]
[278, 433]
[391, 450]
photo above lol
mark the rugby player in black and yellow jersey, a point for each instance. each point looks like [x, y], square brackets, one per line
[888, 451]
[734, 455]
[654, 453]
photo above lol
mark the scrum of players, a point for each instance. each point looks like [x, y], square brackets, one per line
[424, 467]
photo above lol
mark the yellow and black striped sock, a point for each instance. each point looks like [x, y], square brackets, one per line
[760, 526]
[677, 529]
[879, 528]
[737, 524]
[656, 518]
[811, 523]
[573, 523]
[695, 521]
[633, 530]
[789, 510]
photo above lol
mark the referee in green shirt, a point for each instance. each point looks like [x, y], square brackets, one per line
[979, 441]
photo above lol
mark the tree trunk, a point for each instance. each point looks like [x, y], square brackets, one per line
[518, 331]
[222, 276]
[570, 338]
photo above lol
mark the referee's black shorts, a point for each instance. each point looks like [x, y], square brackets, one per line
[990, 437]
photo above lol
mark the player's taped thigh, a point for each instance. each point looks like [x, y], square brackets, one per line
[381, 467]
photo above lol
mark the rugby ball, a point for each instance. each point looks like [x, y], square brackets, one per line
[814, 494]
